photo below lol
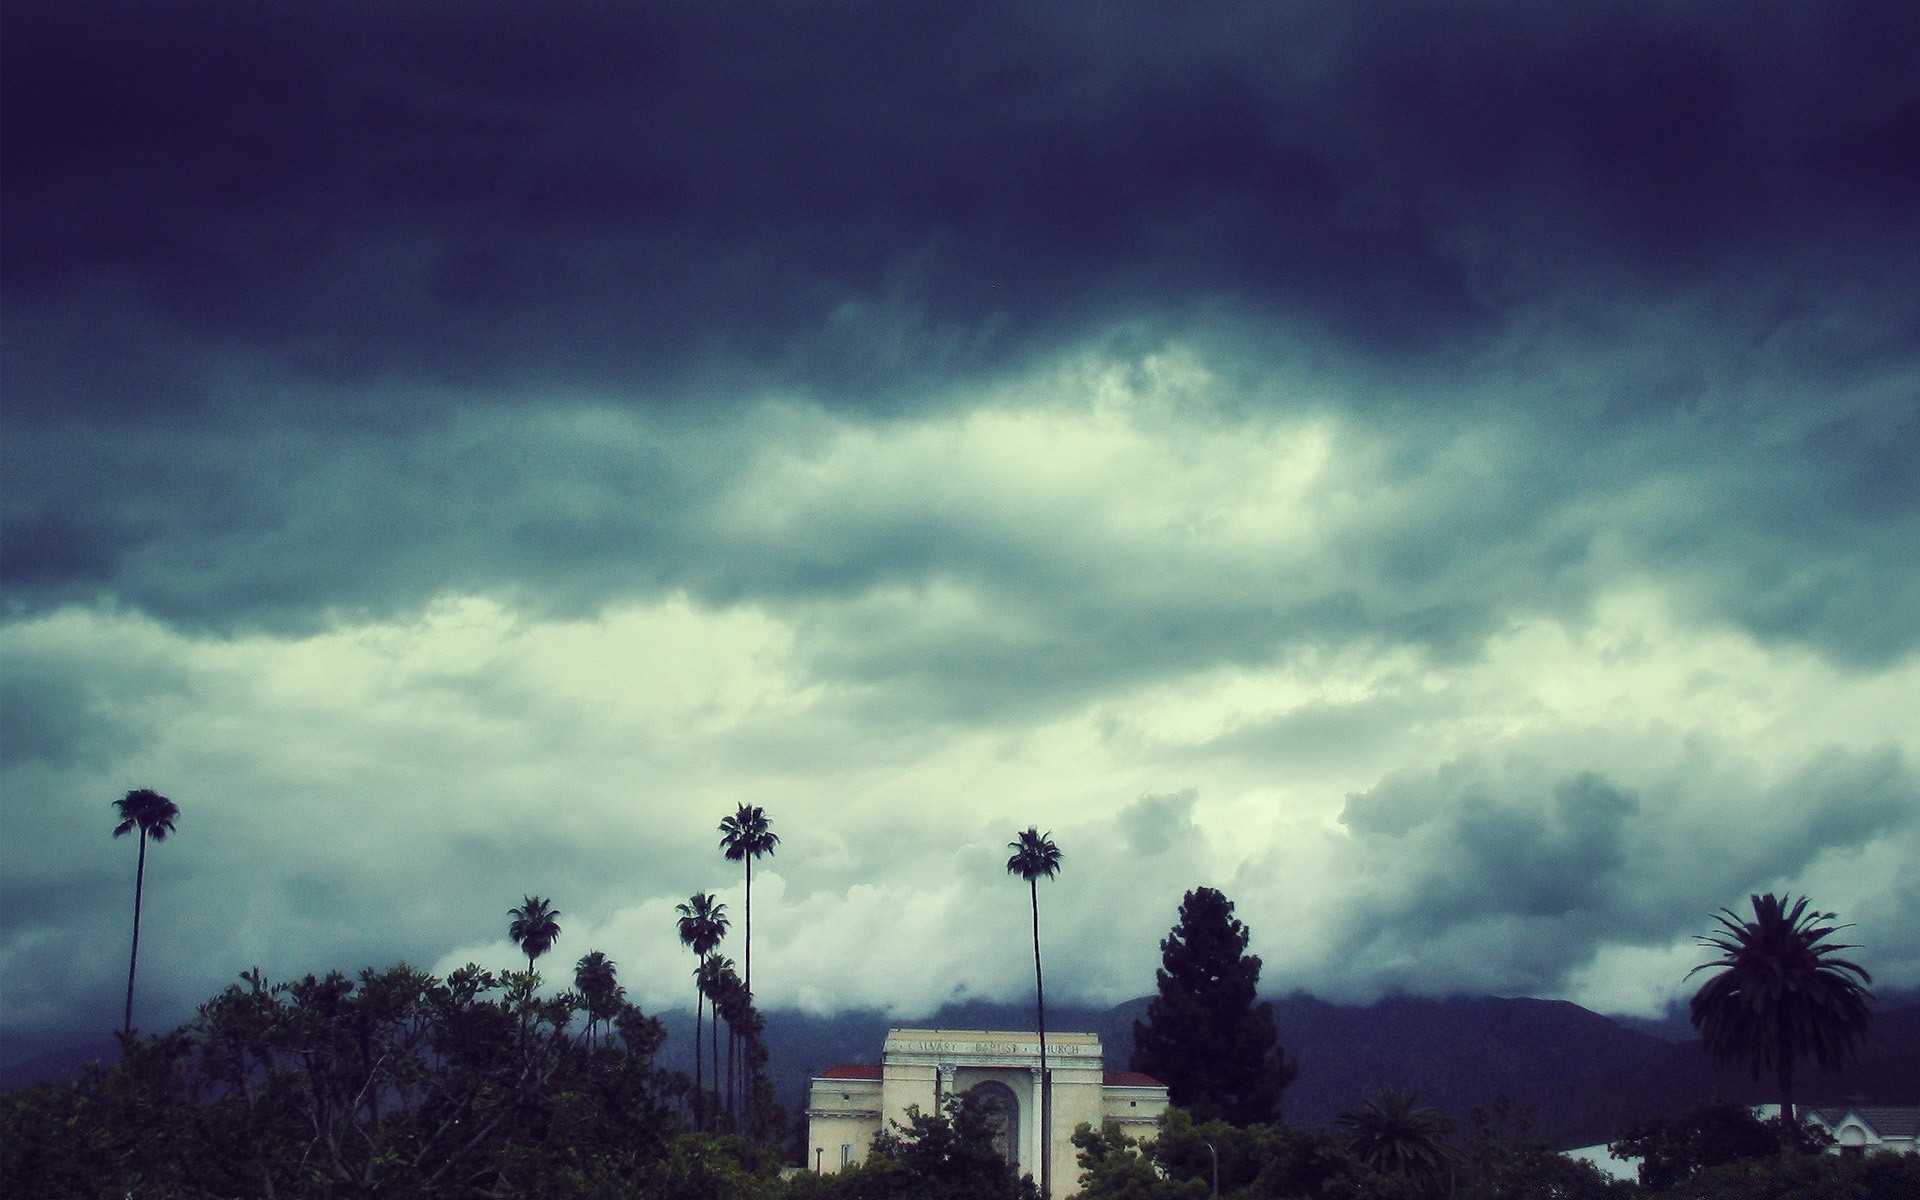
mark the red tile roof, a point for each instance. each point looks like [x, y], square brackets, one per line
[850, 1071]
[1130, 1079]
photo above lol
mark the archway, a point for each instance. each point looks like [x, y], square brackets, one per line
[1003, 1111]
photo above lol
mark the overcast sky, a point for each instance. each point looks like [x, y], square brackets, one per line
[1446, 474]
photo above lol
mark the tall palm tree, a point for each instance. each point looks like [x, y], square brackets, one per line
[535, 927]
[1780, 994]
[745, 836]
[1392, 1134]
[153, 815]
[716, 976]
[703, 923]
[595, 980]
[730, 1002]
[1035, 856]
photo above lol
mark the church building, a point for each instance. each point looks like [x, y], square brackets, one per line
[847, 1105]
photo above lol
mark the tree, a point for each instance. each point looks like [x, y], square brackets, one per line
[153, 815]
[1394, 1135]
[1036, 857]
[746, 836]
[1204, 1035]
[948, 1155]
[535, 927]
[1674, 1149]
[1780, 994]
[729, 997]
[594, 978]
[703, 923]
[394, 1083]
[716, 976]
[1113, 1167]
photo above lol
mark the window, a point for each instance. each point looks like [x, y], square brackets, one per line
[846, 1155]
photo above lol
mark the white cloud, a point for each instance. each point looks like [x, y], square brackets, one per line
[1114, 599]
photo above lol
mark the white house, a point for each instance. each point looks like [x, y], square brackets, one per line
[848, 1104]
[1863, 1129]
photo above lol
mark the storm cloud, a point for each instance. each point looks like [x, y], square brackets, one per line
[1427, 470]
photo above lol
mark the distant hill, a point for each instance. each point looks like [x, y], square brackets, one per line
[1584, 1075]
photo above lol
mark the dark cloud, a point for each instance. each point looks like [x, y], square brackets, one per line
[1510, 874]
[1012, 362]
[607, 200]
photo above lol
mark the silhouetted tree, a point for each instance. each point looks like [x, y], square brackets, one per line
[1205, 1036]
[745, 836]
[1034, 858]
[535, 927]
[1780, 995]
[716, 972]
[703, 923]
[1393, 1134]
[594, 978]
[394, 1083]
[1672, 1150]
[153, 815]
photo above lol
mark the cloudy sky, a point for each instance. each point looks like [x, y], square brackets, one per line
[1447, 474]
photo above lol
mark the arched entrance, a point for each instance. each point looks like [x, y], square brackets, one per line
[1003, 1110]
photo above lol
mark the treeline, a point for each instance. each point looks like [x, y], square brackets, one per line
[1391, 1149]
[397, 1083]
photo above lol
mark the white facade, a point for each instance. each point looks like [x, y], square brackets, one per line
[1862, 1129]
[920, 1068]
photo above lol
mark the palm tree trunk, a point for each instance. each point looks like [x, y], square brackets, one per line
[1046, 1081]
[1789, 1116]
[139, 885]
[699, 1008]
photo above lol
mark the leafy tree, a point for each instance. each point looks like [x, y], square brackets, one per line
[949, 1155]
[1806, 1177]
[153, 815]
[1674, 1149]
[1393, 1134]
[1204, 1034]
[1035, 857]
[1252, 1160]
[1780, 994]
[394, 1083]
[745, 836]
[1507, 1163]
[702, 924]
[1113, 1167]
[535, 927]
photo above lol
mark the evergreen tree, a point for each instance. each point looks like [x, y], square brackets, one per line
[1206, 1037]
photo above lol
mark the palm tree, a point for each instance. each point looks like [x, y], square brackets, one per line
[1781, 995]
[535, 927]
[731, 1003]
[1393, 1135]
[703, 923]
[153, 815]
[746, 836]
[594, 978]
[714, 976]
[1034, 856]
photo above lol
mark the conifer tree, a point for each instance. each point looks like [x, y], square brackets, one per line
[1206, 1035]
